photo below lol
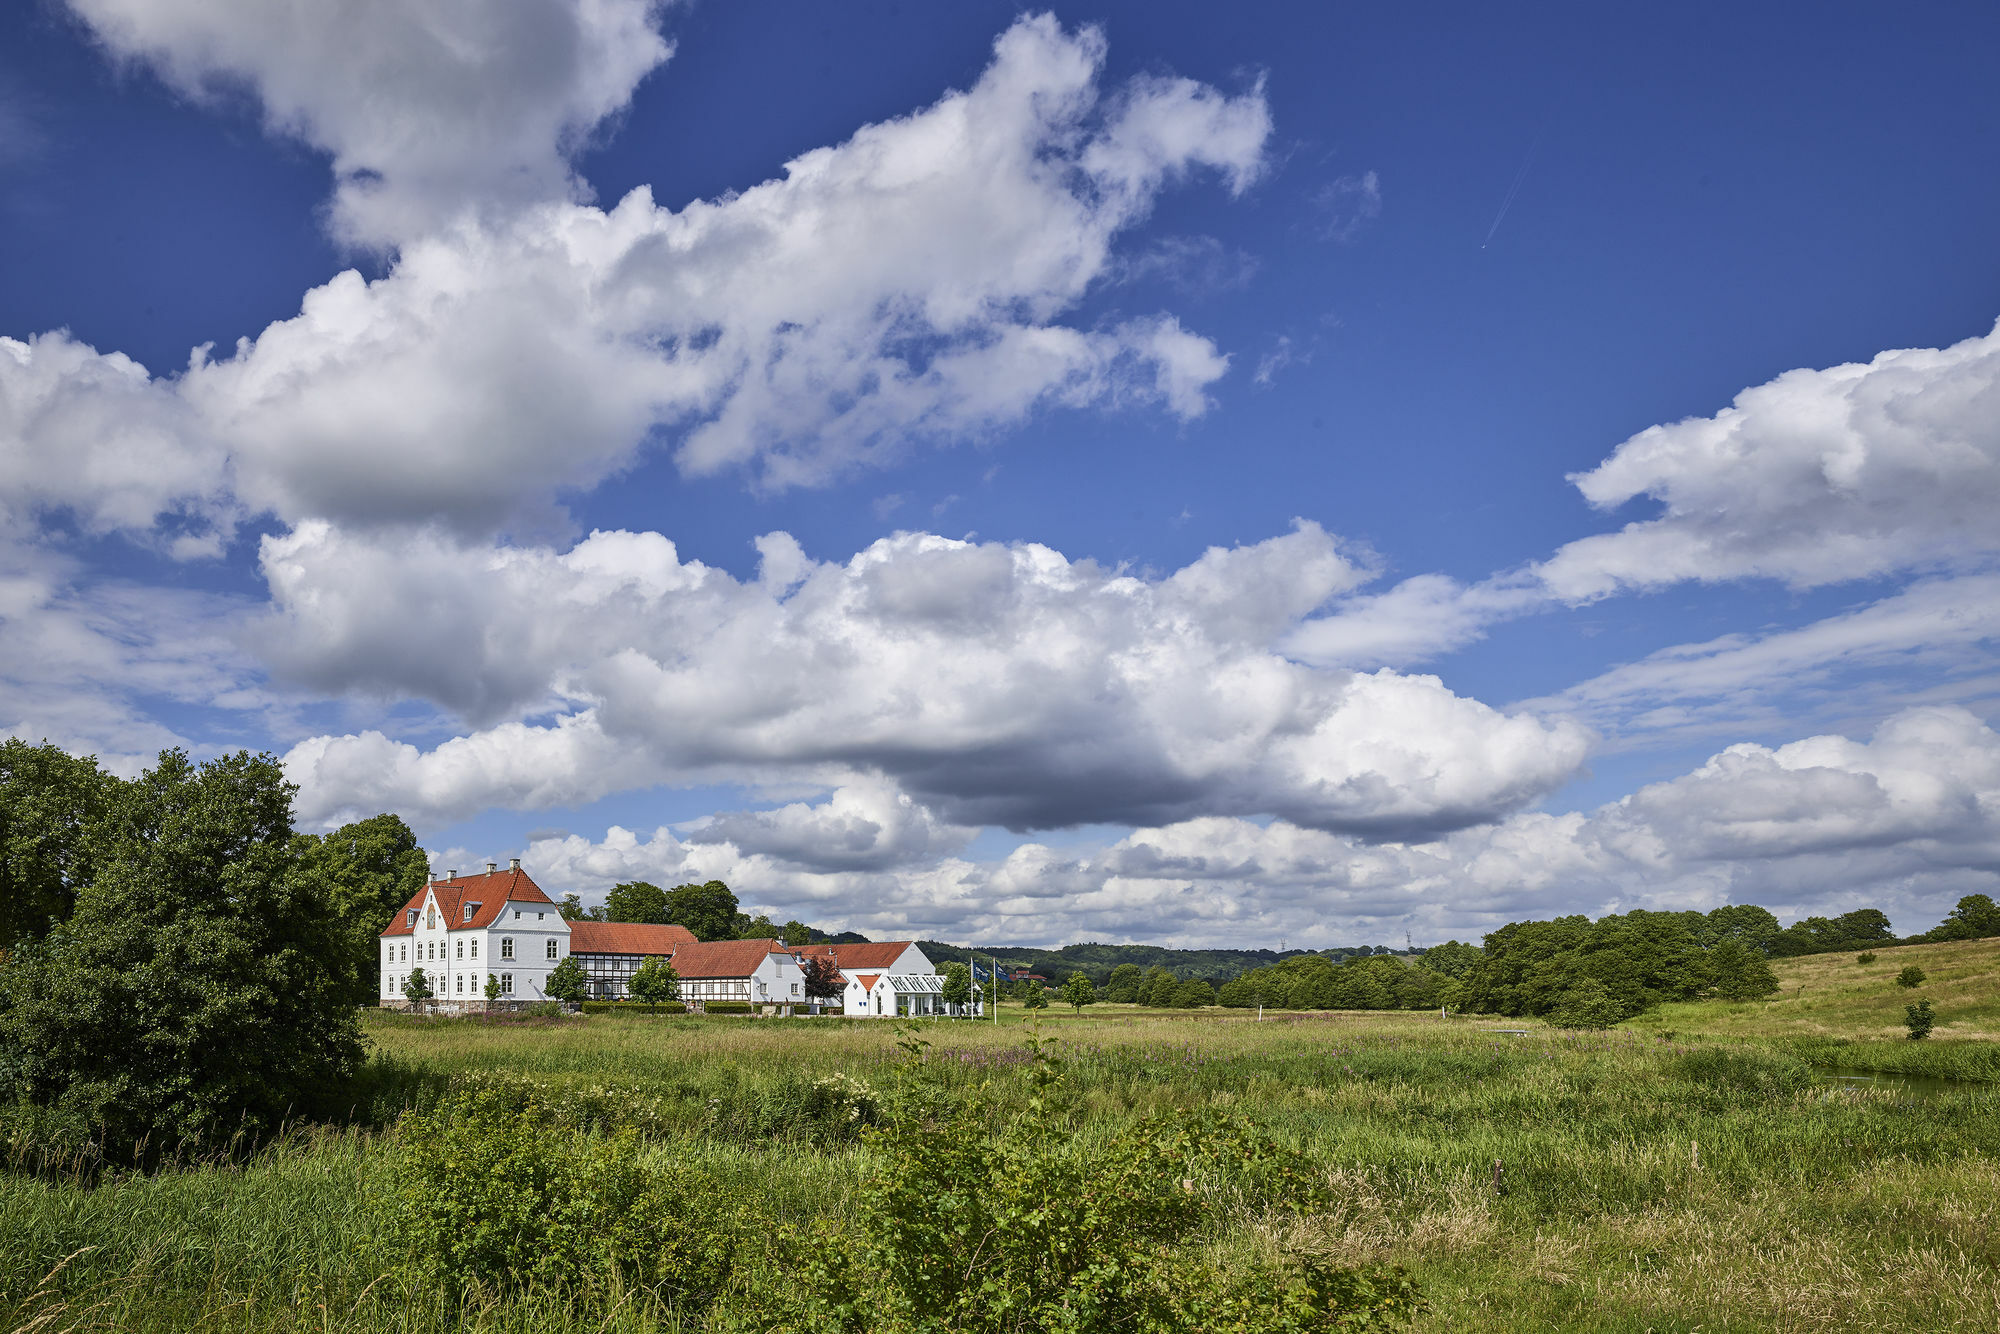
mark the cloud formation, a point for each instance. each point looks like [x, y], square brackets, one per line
[995, 684]
[904, 286]
[430, 109]
[1816, 477]
[1910, 818]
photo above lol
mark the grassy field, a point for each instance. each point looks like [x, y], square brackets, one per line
[1832, 995]
[1689, 1172]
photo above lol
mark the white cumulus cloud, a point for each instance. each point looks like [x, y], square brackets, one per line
[430, 109]
[996, 684]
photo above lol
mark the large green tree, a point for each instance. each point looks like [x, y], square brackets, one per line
[707, 909]
[637, 901]
[1123, 988]
[51, 807]
[200, 988]
[369, 870]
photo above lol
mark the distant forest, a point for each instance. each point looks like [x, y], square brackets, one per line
[1572, 971]
[1096, 961]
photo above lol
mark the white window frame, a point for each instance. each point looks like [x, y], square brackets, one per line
[506, 984]
[475, 947]
[552, 947]
[506, 947]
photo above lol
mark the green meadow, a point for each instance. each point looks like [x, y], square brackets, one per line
[1703, 1168]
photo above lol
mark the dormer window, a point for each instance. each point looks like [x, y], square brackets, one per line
[413, 918]
[470, 909]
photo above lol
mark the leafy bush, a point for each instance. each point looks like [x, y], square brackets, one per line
[1082, 1238]
[728, 1007]
[1586, 1004]
[1919, 1019]
[1911, 976]
[490, 1192]
[1865, 959]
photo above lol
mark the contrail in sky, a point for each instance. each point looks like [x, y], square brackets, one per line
[1515, 188]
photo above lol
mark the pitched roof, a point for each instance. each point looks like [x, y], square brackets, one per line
[723, 958]
[492, 891]
[867, 980]
[882, 954]
[626, 938]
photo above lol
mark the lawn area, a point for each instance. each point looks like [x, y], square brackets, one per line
[1648, 1182]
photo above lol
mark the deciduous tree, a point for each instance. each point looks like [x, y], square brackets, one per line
[51, 806]
[417, 988]
[638, 901]
[199, 988]
[1078, 992]
[957, 984]
[707, 909]
[567, 982]
[823, 980]
[656, 982]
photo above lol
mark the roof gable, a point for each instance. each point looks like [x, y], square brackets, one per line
[492, 891]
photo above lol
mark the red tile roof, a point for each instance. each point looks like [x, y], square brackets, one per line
[723, 958]
[492, 891]
[881, 954]
[626, 938]
[867, 980]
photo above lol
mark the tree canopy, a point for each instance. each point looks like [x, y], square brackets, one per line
[637, 901]
[202, 986]
[52, 807]
[707, 909]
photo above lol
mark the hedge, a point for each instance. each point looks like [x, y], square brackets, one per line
[631, 1007]
[729, 1007]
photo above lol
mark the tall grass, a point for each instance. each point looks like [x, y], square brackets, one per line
[1645, 1182]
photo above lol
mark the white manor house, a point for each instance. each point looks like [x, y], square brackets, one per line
[463, 930]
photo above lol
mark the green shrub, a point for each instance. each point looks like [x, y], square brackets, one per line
[728, 1007]
[1911, 976]
[489, 1192]
[1070, 1236]
[1865, 959]
[1587, 1004]
[632, 1007]
[1919, 1019]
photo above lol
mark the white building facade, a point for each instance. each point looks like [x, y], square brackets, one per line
[461, 930]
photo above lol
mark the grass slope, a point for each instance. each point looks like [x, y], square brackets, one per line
[1832, 996]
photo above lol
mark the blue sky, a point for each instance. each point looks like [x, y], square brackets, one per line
[1145, 472]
